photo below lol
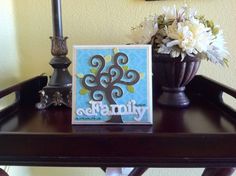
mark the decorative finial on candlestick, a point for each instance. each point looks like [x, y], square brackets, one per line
[58, 91]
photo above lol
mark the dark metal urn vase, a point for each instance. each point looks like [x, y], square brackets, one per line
[173, 75]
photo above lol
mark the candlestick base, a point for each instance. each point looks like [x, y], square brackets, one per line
[58, 91]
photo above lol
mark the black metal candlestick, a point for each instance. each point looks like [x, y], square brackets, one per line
[57, 18]
[58, 90]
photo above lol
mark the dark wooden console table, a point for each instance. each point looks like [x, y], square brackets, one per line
[203, 135]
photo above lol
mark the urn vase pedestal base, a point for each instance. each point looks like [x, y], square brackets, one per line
[172, 75]
[174, 97]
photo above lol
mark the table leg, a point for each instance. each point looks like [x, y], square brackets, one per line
[3, 173]
[104, 169]
[138, 171]
[218, 172]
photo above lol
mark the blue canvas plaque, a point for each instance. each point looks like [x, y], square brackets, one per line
[112, 84]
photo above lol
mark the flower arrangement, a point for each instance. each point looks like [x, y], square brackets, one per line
[181, 32]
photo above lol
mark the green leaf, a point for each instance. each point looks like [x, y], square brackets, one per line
[83, 91]
[79, 75]
[125, 68]
[93, 70]
[226, 62]
[210, 24]
[116, 50]
[141, 75]
[108, 58]
[161, 19]
[215, 31]
[130, 89]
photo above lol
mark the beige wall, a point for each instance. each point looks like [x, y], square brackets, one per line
[108, 22]
[25, 26]
[9, 63]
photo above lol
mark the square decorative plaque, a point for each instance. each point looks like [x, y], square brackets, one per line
[112, 84]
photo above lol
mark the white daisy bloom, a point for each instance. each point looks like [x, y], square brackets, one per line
[144, 32]
[181, 32]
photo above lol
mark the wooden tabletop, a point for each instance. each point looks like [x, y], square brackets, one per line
[202, 135]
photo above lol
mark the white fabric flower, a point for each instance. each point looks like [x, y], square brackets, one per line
[144, 32]
[216, 50]
[181, 32]
[191, 36]
[171, 13]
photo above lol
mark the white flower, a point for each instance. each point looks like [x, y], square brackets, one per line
[144, 32]
[217, 52]
[181, 32]
[164, 49]
[191, 36]
[201, 34]
[171, 13]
